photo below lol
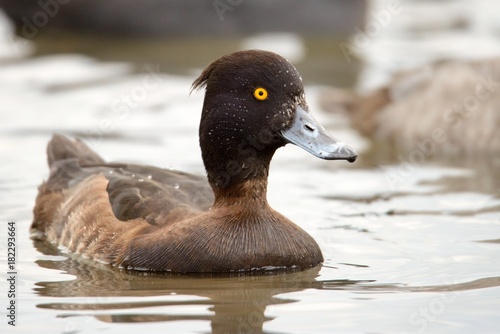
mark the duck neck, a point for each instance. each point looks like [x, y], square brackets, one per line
[242, 181]
[248, 195]
[236, 168]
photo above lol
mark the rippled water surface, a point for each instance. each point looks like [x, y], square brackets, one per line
[408, 248]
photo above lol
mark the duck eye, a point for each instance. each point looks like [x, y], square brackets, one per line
[260, 93]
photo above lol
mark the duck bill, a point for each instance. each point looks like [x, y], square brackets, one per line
[308, 134]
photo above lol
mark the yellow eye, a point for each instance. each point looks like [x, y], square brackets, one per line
[260, 93]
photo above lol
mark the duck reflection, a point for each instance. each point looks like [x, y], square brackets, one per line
[238, 302]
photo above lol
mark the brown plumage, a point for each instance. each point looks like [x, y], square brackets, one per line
[147, 218]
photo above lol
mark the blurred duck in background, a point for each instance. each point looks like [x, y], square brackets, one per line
[430, 77]
[450, 108]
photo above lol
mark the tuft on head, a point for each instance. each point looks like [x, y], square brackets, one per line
[201, 81]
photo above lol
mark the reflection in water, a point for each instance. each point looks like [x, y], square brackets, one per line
[237, 302]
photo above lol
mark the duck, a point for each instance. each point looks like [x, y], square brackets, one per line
[447, 109]
[146, 218]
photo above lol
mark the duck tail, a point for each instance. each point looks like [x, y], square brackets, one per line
[61, 148]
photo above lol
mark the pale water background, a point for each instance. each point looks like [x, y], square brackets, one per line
[409, 248]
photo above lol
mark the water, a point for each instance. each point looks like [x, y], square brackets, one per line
[408, 248]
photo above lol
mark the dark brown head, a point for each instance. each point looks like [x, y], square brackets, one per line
[254, 104]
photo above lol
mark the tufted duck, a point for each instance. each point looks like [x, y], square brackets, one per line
[147, 218]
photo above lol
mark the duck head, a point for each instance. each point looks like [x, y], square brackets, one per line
[254, 104]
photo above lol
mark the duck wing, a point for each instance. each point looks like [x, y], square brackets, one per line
[158, 196]
[154, 194]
